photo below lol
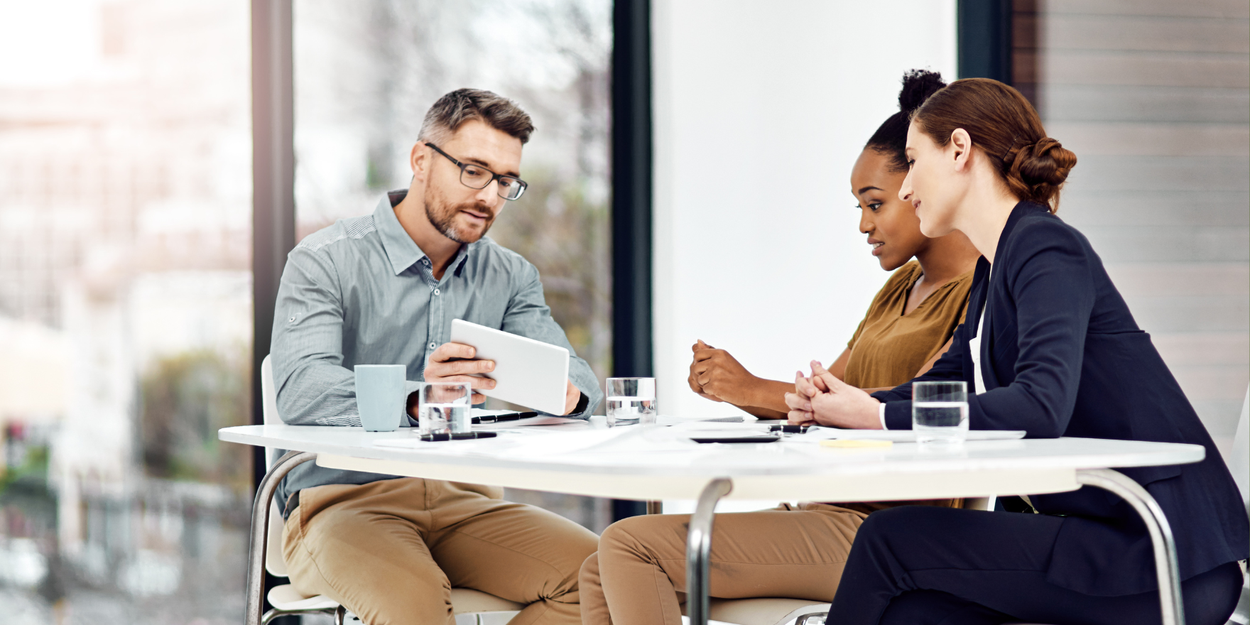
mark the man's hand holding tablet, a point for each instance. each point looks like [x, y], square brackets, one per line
[457, 363]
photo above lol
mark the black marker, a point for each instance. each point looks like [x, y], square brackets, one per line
[456, 436]
[499, 418]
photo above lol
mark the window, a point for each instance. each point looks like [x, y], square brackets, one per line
[125, 310]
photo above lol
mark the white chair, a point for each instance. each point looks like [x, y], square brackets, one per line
[287, 599]
[1239, 464]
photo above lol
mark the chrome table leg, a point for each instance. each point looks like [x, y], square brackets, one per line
[260, 528]
[1166, 568]
[699, 547]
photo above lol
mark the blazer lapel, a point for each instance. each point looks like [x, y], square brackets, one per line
[987, 338]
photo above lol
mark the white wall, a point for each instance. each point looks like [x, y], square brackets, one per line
[761, 109]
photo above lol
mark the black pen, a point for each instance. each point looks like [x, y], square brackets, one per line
[456, 436]
[498, 418]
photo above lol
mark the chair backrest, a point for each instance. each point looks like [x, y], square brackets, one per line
[274, 562]
[1239, 459]
[980, 503]
[1239, 464]
[268, 394]
[268, 403]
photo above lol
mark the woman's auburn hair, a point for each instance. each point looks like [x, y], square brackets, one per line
[1007, 129]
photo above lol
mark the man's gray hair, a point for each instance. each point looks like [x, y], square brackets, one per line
[462, 105]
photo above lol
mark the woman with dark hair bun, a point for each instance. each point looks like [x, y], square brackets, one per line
[1048, 346]
[799, 550]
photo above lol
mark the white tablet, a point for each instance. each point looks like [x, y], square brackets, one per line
[527, 372]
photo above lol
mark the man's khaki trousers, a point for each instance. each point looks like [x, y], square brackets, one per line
[391, 551]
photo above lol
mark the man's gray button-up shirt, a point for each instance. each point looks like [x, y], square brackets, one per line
[362, 292]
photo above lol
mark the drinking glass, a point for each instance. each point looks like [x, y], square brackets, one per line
[939, 412]
[380, 396]
[630, 401]
[444, 408]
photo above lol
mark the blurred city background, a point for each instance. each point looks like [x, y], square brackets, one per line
[125, 257]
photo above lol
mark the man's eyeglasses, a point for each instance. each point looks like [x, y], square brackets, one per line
[478, 177]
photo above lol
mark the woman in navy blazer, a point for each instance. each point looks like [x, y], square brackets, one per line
[1060, 355]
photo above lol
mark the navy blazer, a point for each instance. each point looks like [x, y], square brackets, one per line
[1064, 357]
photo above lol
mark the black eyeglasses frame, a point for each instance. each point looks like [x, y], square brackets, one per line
[522, 185]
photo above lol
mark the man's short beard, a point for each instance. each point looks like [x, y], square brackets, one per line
[443, 223]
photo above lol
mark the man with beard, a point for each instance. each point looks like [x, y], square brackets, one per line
[384, 288]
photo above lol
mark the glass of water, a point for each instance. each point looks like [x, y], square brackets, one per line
[630, 401]
[444, 408]
[939, 412]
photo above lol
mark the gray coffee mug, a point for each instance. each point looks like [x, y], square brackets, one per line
[380, 396]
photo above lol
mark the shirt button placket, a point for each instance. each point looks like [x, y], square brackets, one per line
[436, 315]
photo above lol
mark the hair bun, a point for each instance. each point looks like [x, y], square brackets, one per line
[1046, 161]
[918, 85]
[891, 137]
[1037, 170]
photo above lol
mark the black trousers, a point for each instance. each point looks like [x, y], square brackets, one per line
[920, 565]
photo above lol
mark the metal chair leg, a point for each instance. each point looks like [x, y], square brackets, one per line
[699, 548]
[1166, 567]
[260, 525]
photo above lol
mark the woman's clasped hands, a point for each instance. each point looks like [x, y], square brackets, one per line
[822, 399]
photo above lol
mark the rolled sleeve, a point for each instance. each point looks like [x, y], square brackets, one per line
[314, 388]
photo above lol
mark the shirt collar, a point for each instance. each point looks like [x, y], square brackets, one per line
[401, 250]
